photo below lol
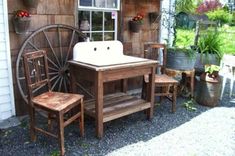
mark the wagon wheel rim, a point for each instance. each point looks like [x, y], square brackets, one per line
[59, 50]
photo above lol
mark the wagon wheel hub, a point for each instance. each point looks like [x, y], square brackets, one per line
[64, 71]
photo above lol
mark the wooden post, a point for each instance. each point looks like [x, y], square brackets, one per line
[99, 91]
[150, 92]
[197, 33]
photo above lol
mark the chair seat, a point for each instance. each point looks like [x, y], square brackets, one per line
[55, 100]
[161, 79]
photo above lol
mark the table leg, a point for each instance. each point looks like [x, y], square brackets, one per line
[99, 91]
[150, 93]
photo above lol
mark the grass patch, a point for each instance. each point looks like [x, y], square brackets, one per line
[227, 35]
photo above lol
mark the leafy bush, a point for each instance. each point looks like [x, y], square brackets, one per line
[184, 38]
[208, 5]
[220, 15]
[185, 6]
[210, 43]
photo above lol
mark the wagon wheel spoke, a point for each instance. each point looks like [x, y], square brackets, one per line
[51, 47]
[58, 41]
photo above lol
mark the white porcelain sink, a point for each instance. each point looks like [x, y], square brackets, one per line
[102, 53]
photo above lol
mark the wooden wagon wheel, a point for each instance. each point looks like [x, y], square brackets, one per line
[58, 41]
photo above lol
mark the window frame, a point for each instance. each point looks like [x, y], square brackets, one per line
[99, 8]
[103, 10]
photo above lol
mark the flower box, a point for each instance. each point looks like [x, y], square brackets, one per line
[135, 26]
[136, 22]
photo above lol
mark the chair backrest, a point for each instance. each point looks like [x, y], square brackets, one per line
[227, 65]
[156, 51]
[36, 73]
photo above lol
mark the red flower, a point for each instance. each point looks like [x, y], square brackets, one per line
[21, 14]
[138, 18]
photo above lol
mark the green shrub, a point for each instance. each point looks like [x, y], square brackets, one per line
[220, 15]
[210, 43]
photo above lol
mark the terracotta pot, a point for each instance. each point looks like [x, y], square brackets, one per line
[21, 25]
[135, 26]
[31, 3]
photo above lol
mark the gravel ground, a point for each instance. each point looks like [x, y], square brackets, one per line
[206, 131]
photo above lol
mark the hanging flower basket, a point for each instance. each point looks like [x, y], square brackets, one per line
[135, 26]
[21, 21]
[31, 3]
[136, 22]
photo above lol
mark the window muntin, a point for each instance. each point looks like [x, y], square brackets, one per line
[102, 24]
[100, 4]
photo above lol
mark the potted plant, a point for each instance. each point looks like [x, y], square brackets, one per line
[209, 50]
[136, 22]
[181, 57]
[209, 86]
[21, 21]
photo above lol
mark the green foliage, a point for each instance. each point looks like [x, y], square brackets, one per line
[185, 6]
[227, 35]
[210, 43]
[189, 105]
[183, 41]
[220, 15]
[55, 153]
[211, 68]
[185, 38]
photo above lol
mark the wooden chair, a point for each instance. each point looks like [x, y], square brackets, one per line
[227, 70]
[164, 84]
[64, 107]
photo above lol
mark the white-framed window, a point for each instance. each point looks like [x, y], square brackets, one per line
[98, 19]
[100, 4]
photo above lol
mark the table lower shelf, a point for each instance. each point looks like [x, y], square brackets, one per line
[117, 105]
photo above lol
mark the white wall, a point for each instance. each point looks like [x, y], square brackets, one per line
[7, 106]
[166, 21]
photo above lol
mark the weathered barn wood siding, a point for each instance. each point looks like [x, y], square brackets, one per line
[65, 12]
[47, 12]
[133, 42]
[7, 108]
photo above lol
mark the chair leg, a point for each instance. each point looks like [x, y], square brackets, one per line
[174, 98]
[81, 121]
[49, 121]
[61, 133]
[32, 123]
[231, 87]
[223, 86]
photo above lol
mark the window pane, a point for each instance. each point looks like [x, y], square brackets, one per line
[97, 37]
[84, 19]
[100, 3]
[108, 36]
[85, 3]
[97, 20]
[111, 3]
[108, 21]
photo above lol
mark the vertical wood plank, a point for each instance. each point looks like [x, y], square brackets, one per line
[124, 85]
[72, 79]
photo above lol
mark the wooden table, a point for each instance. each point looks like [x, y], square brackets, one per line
[109, 107]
